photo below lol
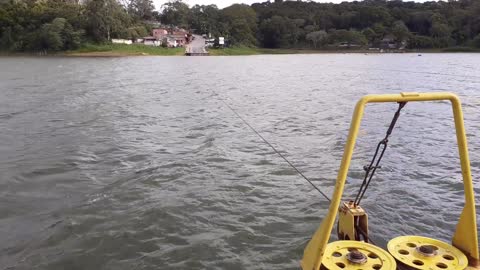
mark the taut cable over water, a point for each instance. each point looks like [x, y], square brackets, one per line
[355, 250]
[370, 169]
[273, 147]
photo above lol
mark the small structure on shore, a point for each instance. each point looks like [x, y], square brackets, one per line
[166, 37]
[151, 41]
[390, 43]
[171, 37]
[122, 41]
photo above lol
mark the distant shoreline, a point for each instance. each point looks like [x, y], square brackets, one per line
[116, 50]
[106, 50]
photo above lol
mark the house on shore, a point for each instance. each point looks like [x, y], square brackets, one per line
[168, 37]
[390, 43]
[159, 33]
[151, 41]
[180, 38]
[170, 42]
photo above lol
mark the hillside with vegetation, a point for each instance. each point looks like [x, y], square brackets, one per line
[60, 25]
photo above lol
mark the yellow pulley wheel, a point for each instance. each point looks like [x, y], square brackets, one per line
[356, 255]
[426, 253]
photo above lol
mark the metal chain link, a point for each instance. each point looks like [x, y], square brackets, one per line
[371, 168]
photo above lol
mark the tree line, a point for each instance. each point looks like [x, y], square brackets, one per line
[54, 25]
[308, 24]
[57, 25]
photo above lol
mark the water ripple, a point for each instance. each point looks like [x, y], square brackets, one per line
[135, 163]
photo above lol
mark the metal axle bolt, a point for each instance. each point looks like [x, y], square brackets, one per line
[356, 257]
[427, 250]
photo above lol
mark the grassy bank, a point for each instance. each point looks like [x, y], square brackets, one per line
[124, 50]
[257, 51]
[234, 51]
[118, 50]
[461, 49]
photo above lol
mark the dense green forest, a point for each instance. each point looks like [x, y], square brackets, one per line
[57, 25]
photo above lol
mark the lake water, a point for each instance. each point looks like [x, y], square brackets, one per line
[136, 163]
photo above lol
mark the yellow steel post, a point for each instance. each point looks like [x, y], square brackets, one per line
[312, 256]
[465, 237]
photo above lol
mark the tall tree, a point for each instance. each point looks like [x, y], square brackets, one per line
[141, 9]
[175, 12]
[31, 25]
[370, 35]
[106, 19]
[400, 32]
[317, 37]
[241, 23]
[351, 37]
[204, 19]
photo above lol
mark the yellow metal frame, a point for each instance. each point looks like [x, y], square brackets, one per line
[405, 250]
[381, 259]
[348, 215]
[465, 237]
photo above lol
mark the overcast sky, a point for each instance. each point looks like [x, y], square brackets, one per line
[226, 3]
